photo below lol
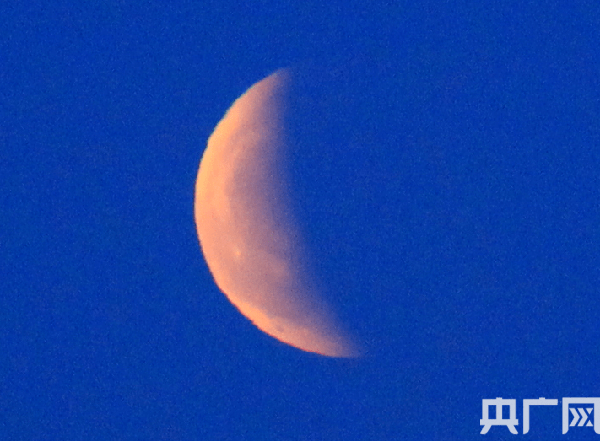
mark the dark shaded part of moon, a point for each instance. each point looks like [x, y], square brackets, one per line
[347, 134]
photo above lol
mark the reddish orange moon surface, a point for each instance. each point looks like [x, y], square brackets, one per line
[247, 229]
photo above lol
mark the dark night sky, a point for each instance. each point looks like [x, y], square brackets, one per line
[476, 248]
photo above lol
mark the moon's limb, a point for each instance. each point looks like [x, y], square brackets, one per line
[247, 229]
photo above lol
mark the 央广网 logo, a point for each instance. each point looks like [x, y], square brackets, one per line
[576, 412]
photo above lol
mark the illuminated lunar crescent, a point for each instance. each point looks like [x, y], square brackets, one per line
[247, 230]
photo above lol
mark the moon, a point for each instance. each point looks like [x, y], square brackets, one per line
[249, 232]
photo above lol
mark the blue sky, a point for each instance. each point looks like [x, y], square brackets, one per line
[471, 254]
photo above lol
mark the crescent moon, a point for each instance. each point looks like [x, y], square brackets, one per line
[247, 230]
